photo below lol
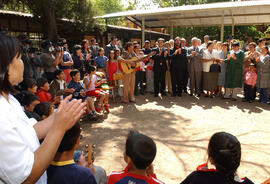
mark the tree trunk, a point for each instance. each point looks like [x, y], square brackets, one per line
[49, 21]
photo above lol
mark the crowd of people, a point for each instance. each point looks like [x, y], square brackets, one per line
[93, 74]
[42, 97]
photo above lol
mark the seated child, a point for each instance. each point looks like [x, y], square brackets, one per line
[44, 110]
[100, 173]
[139, 154]
[91, 83]
[250, 79]
[58, 85]
[101, 60]
[63, 168]
[30, 85]
[224, 152]
[30, 101]
[43, 92]
[79, 93]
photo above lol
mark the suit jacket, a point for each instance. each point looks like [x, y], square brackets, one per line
[160, 60]
[178, 61]
[108, 48]
[195, 62]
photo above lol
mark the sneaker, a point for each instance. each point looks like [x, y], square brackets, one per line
[98, 109]
[106, 107]
[93, 117]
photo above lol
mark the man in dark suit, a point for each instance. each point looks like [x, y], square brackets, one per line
[111, 46]
[160, 67]
[179, 64]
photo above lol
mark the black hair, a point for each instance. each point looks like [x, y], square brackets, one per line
[266, 47]
[116, 50]
[141, 149]
[91, 69]
[83, 43]
[75, 48]
[261, 40]
[31, 50]
[28, 83]
[70, 138]
[128, 44]
[111, 51]
[28, 98]
[113, 37]
[10, 48]
[72, 73]
[225, 151]
[209, 43]
[43, 108]
[57, 72]
[41, 81]
[99, 50]
[236, 44]
[46, 44]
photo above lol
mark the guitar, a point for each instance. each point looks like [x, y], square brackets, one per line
[127, 68]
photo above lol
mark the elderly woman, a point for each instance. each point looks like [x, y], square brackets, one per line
[234, 71]
[210, 79]
[263, 80]
[22, 158]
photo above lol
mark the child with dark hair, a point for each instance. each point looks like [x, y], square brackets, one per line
[91, 83]
[139, 154]
[101, 60]
[29, 102]
[58, 85]
[250, 79]
[79, 93]
[43, 91]
[30, 85]
[63, 168]
[44, 110]
[224, 152]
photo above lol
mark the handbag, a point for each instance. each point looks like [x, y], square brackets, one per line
[117, 75]
[215, 68]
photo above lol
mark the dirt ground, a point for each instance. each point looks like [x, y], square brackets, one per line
[181, 128]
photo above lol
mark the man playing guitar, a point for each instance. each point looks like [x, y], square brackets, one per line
[128, 79]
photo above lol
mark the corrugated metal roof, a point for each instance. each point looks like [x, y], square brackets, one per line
[16, 13]
[244, 13]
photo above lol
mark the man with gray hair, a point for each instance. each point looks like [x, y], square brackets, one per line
[194, 55]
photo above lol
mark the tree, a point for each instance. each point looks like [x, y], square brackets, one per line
[48, 12]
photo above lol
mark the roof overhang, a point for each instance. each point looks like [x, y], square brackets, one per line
[239, 13]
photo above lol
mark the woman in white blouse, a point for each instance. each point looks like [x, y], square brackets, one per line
[22, 158]
[210, 79]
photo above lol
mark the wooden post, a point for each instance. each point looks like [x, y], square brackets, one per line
[233, 25]
[171, 31]
[222, 27]
[143, 31]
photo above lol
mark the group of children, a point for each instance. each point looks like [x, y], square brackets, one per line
[41, 93]
[224, 157]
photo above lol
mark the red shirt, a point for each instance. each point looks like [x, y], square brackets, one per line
[44, 96]
[124, 177]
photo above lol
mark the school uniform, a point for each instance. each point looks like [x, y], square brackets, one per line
[66, 172]
[124, 177]
[203, 175]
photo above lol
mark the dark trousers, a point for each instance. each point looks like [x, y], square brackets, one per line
[179, 81]
[263, 95]
[249, 92]
[159, 81]
[139, 80]
[195, 82]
